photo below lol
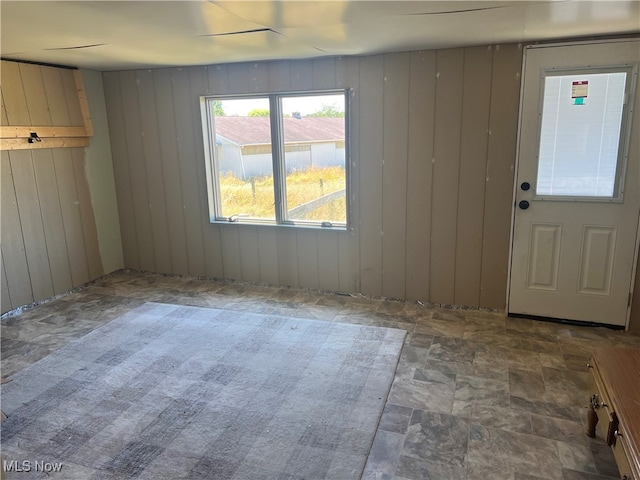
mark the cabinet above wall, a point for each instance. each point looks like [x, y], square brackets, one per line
[43, 107]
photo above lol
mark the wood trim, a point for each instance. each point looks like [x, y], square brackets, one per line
[57, 142]
[43, 132]
[84, 103]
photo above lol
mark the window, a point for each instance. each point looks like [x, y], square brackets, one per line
[277, 158]
[581, 134]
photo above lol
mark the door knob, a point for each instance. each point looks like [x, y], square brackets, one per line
[523, 204]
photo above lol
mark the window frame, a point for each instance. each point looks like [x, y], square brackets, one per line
[278, 160]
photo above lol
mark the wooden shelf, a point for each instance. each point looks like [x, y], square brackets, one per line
[17, 137]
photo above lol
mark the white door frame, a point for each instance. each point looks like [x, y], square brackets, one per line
[636, 263]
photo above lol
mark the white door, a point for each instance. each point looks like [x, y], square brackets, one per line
[577, 197]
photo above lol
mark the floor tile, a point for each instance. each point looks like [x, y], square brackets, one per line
[475, 396]
[437, 437]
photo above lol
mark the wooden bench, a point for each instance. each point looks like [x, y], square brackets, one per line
[614, 405]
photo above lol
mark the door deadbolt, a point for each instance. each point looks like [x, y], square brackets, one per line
[523, 205]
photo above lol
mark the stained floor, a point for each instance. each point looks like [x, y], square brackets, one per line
[475, 396]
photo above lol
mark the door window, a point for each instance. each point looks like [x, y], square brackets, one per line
[580, 135]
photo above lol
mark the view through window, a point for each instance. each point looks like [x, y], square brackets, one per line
[278, 158]
[580, 134]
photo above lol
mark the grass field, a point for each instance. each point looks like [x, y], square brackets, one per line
[255, 199]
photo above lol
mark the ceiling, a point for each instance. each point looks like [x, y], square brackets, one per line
[112, 35]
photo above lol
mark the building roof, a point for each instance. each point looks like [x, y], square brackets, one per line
[256, 130]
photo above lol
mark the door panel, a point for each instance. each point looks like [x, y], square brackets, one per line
[596, 261]
[544, 257]
[578, 183]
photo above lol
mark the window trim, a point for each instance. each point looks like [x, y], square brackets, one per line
[278, 160]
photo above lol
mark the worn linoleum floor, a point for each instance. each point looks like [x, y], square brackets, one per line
[475, 396]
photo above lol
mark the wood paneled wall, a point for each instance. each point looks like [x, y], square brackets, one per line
[433, 136]
[49, 239]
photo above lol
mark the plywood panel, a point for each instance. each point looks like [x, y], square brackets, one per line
[5, 297]
[503, 125]
[394, 180]
[347, 272]
[89, 231]
[171, 170]
[218, 79]
[444, 205]
[342, 71]
[307, 241]
[3, 111]
[249, 256]
[47, 186]
[301, 72]
[71, 216]
[35, 94]
[190, 169]
[371, 133]
[31, 222]
[199, 84]
[287, 257]
[153, 168]
[258, 77]
[238, 78]
[15, 101]
[279, 76]
[56, 99]
[473, 165]
[14, 256]
[137, 171]
[120, 156]
[71, 93]
[422, 88]
[268, 255]
[324, 73]
[328, 255]
[231, 252]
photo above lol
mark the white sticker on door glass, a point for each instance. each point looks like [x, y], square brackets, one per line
[579, 140]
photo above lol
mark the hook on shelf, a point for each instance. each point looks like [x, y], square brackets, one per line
[34, 138]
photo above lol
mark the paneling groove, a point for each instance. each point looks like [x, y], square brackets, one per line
[199, 82]
[501, 154]
[153, 166]
[170, 166]
[31, 223]
[184, 102]
[473, 165]
[35, 95]
[13, 245]
[71, 216]
[89, 231]
[446, 168]
[137, 171]
[371, 146]
[120, 155]
[47, 186]
[422, 91]
[394, 173]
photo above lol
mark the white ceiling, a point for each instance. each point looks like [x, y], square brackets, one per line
[112, 35]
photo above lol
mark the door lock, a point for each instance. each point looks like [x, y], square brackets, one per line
[523, 205]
